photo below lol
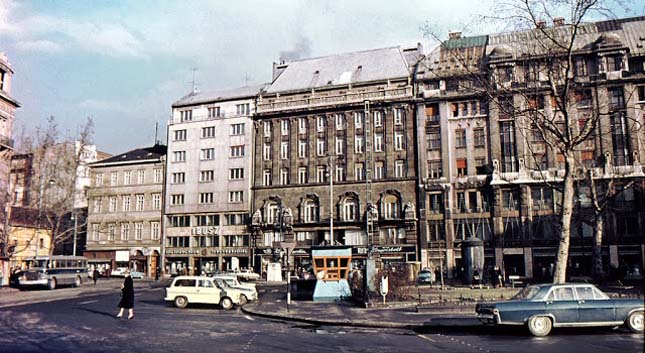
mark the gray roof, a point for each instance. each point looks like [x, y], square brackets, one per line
[354, 67]
[219, 95]
[152, 153]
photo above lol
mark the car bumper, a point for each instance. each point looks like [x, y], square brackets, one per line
[33, 282]
[488, 318]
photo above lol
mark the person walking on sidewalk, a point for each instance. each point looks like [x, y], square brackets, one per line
[127, 296]
[95, 275]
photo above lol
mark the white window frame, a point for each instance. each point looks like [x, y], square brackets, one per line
[208, 132]
[320, 124]
[125, 231]
[156, 202]
[266, 177]
[267, 129]
[378, 118]
[127, 177]
[378, 142]
[284, 150]
[114, 178]
[359, 171]
[340, 121]
[302, 149]
[302, 125]
[340, 146]
[399, 169]
[359, 120]
[141, 177]
[235, 196]
[237, 129]
[302, 175]
[155, 230]
[140, 202]
[138, 231]
[126, 203]
[179, 156]
[398, 141]
[206, 176]
[398, 116]
[207, 154]
[284, 127]
[266, 152]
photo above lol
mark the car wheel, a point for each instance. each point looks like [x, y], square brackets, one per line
[635, 321]
[181, 302]
[540, 326]
[226, 303]
[77, 282]
[51, 284]
[243, 299]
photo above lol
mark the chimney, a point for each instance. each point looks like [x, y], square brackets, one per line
[540, 24]
[454, 35]
[558, 21]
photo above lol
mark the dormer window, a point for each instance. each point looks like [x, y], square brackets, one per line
[615, 62]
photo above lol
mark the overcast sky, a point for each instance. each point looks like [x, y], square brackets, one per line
[124, 62]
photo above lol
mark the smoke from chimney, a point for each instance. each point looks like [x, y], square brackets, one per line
[302, 49]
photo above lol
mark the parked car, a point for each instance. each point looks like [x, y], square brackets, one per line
[248, 291]
[136, 274]
[246, 275]
[186, 290]
[118, 272]
[426, 277]
[542, 307]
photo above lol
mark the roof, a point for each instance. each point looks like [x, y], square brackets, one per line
[219, 95]
[355, 67]
[152, 153]
[448, 58]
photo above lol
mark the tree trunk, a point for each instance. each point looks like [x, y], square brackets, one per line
[560, 274]
[597, 269]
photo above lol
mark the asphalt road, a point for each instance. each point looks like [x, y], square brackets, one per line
[88, 324]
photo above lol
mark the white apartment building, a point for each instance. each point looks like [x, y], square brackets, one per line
[208, 173]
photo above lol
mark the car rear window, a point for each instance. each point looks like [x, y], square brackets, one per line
[185, 283]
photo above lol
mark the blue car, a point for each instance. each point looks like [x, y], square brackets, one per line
[542, 307]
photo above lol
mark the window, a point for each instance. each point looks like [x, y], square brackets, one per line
[237, 129]
[379, 171]
[583, 98]
[310, 211]
[177, 199]
[236, 219]
[462, 167]
[207, 220]
[434, 139]
[267, 129]
[507, 139]
[284, 150]
[302, 148]
[359, 171]
[155, 230]
[616, 98]
[321, 171]
[399, 169]
[390, 207]
[614, 62]
[350, 210]
[156, 202]
[302, 175]
[284, 127]
[141, 176]
[127, 177]
[206, 175]
[398, 141]
[479, 137]
[213, 112]
[435, 170]
[510, 200]
[235, 196]
[266, 152]
[126, 203]
[112, 204]
[378, 142]
[98, 201]
[340, 173]
[111, 231]
[158, 176]
[340, 121]
[125, 231]
[237, 151]
[114, 177]
[267, 177]
[236, 173]
[206, 154]
[95, 232]
[320, 124]
[542, 197]
[284, 176]
[140, 202]
[358, 120]
[320, 147]
[138, 231]
[179, 135]
[208, 132]
[340, 146]
[179, 221]
[205, 197]
[98, 179]
[378, 118]
[581, 67]
[641, 93]
[620, 139]
[398, 116]
[186, 115]
[179, 156]
[178, 178]
[436, 231]
[243, 109]
[436, 203]
[460, 138]
[359, 146]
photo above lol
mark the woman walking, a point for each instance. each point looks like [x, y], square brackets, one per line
[127, 296]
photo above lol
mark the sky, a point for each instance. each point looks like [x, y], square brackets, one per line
[123, 63]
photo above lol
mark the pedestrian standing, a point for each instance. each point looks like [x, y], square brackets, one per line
[127, 296]
[95, 275]
[157, 273]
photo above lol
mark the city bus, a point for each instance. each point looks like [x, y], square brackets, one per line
[54, 271]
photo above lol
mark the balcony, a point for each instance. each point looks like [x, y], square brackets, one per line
[6, 141]
[317, 101]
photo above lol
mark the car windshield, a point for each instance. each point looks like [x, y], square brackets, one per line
[527, 293]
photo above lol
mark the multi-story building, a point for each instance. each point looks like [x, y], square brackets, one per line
[208, 181]
[335, 138]
[125, 208]
[491, 175]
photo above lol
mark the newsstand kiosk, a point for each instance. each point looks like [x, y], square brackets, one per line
[331, 265]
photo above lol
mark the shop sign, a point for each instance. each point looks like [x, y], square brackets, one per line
[229, 251]
[363, 250]
[207, 251]
[300, 252]
[122, 255]
[208, 230]
[182, 251]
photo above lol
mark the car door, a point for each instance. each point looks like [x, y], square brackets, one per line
[592, 307]
[562, 304]
[208, 292]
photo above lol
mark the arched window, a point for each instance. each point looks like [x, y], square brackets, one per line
[390, 207]
[350, 210]
[271, 212]
[310, 211]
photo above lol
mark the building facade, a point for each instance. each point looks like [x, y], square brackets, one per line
[208, 182]
[336, 158]
[125, 210]
[491, 174]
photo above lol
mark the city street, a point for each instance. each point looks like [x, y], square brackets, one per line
[87, 323]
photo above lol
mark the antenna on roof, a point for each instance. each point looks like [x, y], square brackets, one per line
[193, 82]
[156, 132]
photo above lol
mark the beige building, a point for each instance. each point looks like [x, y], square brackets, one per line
[125, 205]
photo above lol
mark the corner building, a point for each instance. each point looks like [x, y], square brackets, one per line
[346, 120]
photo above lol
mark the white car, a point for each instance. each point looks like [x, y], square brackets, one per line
[118, 272]
[186, 290]
[247, 275]
[248, 292]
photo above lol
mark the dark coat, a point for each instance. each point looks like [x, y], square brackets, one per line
[127, 294]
